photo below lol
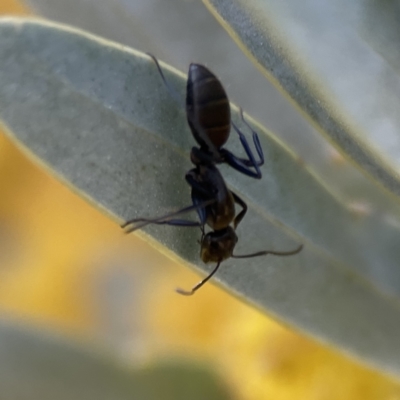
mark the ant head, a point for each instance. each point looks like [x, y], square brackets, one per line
[217, 246]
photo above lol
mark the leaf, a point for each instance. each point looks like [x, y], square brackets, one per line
[198, 36]
[335, 59]
[99, 117]
[35, 365]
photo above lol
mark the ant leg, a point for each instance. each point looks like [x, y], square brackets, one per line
[199, 285]
[242, 213]
[200, 193]
[172, 91]
[256, 141]
[241, 164]
[275, 253]
[201, 212]
[201, 198]
[143, 222]
[203, 233]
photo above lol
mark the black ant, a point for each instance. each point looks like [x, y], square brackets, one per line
[215, 205]
[209, 117]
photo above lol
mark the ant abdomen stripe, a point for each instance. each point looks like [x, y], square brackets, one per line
[217, 129]
[203, 85]
[209, 90]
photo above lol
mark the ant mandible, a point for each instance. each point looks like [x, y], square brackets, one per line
[209, 118]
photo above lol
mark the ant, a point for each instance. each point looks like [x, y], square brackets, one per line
[209, 117]
[215, 205]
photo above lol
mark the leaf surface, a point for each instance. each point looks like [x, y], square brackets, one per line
[98, 116]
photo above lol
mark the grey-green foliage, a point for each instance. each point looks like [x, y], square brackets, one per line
[98, 115]
[181, 31]
[37, 366]
[340, 63]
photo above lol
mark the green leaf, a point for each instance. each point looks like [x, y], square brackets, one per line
[339, 61]
[36, 365]
[197, 36]
[99, 117]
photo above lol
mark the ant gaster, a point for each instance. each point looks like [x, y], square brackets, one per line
[209, 117]
[213, 201]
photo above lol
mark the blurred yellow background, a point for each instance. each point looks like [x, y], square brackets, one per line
[66, 267]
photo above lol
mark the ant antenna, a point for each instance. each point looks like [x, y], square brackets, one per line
[199, 285]
[274, 253]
